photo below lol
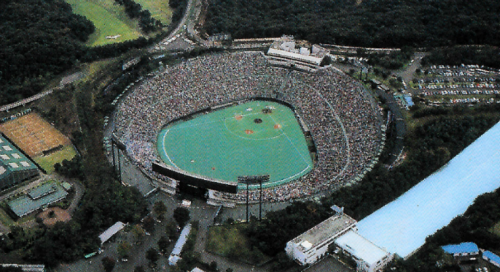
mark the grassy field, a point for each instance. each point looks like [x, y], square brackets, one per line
[230, 241]
[496, 229]
[160, 10]
[47, 162]
[5, 218]
[239, 140]
[109, 19]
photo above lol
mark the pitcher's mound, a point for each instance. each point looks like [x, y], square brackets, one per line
[277, 126]
[249, 131]
[238, 117]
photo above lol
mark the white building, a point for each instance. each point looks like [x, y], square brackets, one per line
[111, 231]
[285, 48]
[368, 256]
[340, 229]
[175, 256]
[313, 244]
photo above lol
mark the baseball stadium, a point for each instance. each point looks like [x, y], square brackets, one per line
[210, 120]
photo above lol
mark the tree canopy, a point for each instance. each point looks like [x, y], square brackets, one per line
[38, 39]
[181, 216]
[373, 23]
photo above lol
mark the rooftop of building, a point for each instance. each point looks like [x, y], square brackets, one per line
[11, 159]
[360, 247]
[111, 231]
[45, 194]
[325, 230]
[466, 247]
[491, 256]
[181, 241]
[286, 46]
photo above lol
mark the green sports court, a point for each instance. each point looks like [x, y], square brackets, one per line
[253, 138]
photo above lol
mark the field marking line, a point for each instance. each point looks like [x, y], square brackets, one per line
[291, 143]
[165, 151]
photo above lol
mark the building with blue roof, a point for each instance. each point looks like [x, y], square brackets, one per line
[491, 258]
[466, 248]
[463, 252]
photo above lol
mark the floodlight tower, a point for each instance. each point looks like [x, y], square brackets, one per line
[254, 180]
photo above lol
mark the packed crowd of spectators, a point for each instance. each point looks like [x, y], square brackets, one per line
[343, 119]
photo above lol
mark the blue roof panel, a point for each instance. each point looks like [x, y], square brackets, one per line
[467, 247]
[492, 256]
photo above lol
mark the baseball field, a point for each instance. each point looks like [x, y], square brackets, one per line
[254, 138]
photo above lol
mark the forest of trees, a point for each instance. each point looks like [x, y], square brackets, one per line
[38, 39]
[134, 10]
[374, 23]
[41, 39]
[457, 55]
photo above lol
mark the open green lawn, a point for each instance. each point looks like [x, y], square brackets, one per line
[228, 143]
[109, 19]
[496, 229]
[5, 218]
[47, 162]
[230, 241]
[160, 10]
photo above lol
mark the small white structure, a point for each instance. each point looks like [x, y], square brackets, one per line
[111, 231]
[368, 256]
[312, 245]
[186, 203]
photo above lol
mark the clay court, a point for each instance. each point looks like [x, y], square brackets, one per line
[33, 134]
[60, 215]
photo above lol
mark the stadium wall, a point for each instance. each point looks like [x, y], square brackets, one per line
[195, 180]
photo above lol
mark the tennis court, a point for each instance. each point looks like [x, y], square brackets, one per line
[253, 138]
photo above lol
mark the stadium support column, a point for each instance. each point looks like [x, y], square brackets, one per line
[119, 146]
[260, 201]
[119, 167]
[247, 201]
[262, 179]
[113, 154]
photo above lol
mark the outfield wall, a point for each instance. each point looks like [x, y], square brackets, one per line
[195, 180]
